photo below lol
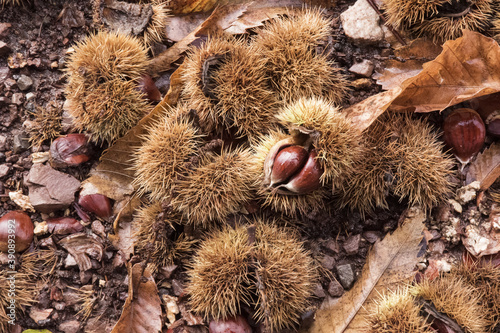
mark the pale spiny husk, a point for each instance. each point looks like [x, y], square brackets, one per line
[241, 97]
[298, 65]
[422, 18]
[170, 142]
[102, 89]
[396, 312]
[285, 276]
[164, 251]
[452, 296]
[421, 168]
[216, 188]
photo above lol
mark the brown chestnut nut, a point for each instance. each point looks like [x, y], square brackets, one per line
[308, 179]
[16, 232]
[464, 133]
[287, 163]
[236, 324]
[69, 150]
[97, 203]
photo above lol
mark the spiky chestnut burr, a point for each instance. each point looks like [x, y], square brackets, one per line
[218, 278]
[297, 61]
[333, 136]
[420, 167]
[263, 266]
[165, 152]
[486, 279]
[150, 221]
[455, 298]
[102, 94]
[440, 20]
[368, 186]
[291, 203]
[155, 30]
[225, 82]
[396, 312]
[285, 276]
[217, 187]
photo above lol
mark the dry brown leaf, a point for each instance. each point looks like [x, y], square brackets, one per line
[220, 19]
[468, 67]
[486, 167]
[408, 63]
[194, 6]
[83, 247]
[367, 111]
[389, 262]
[142, 309]
[123, 239]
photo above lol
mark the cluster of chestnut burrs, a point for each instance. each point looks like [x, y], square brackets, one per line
[259, 122]
[258, 128]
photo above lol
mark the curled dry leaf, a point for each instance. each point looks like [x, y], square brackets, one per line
[220, 19]
[83, 247]
[255, 14]
[194, 6]
[408, 63]
[486, 167]
[142, 309]
[390, 262]
[468, 67]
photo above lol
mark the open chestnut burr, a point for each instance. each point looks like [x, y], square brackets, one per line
[292, 168]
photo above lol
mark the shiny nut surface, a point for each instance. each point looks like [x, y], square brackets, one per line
[464, 133]
[16, 231]
[69, 150]
[98, 204]
[287, 163]
[308, 179]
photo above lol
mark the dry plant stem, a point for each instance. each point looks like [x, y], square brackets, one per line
[429, 310]
[389, 26]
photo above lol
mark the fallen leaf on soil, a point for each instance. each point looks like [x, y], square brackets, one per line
[408, 63]
[220, 19]
[468, 67]
[123, 239]
[83, 247]
[256, 13]
[486, 167]
[63, 225]
[127, 18]
[367, 111]
[193, 6]
[142, 309]
[389, 262]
